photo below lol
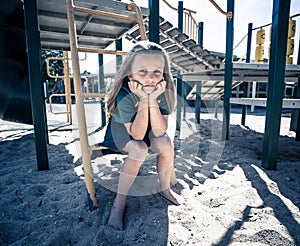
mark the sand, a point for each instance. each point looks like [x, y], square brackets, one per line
[230, 199]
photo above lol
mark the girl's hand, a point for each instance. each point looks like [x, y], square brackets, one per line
[137, 89]
[159, 89]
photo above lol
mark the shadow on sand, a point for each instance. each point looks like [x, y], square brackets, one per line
[244, 149]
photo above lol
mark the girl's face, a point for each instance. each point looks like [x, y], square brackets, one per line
[147, 69]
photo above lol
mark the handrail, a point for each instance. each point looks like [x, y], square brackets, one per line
[238, 44]
[174, 8]
[294, 16]
[190, 25]
[133, 7]
[229, 14]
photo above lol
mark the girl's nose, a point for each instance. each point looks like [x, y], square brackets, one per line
[150, 75]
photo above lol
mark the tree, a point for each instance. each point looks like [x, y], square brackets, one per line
[55, 66]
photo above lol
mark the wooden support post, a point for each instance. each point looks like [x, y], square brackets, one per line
[88, 172]
[36, 85]
[228, 71]
[280, 19]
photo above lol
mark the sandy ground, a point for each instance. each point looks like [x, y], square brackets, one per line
[230, 198]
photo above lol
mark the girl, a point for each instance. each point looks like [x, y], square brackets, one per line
[141, 98]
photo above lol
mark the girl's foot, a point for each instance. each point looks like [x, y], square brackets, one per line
[172, 196]
[116, 215]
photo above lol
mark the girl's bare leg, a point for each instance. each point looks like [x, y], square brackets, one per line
[137, 152]
[165, 159]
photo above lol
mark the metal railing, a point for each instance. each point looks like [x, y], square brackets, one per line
[67, 84]
[190, 26]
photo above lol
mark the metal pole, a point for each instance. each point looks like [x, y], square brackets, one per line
[88, 172]
[102, 89]
[67, 87]
[154, 21]
[280, 19]
[119, 58]
[228, 71]
[295, 118]
[180, 16]
[297, 95]
[36, 85]
[246, 84]
[199, 84]
[179, 80]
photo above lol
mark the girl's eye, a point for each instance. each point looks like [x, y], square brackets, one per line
[143, 72]
[157, 73]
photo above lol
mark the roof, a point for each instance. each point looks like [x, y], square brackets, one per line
[92, 31]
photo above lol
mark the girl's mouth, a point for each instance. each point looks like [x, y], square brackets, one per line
[152, 85]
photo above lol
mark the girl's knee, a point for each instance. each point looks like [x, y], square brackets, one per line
[137, 150]
[162, 144]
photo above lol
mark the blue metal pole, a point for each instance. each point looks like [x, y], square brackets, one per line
[36, 85]
[228, 71]
[200, 33]
[102, 89]
[119, 47]
[295, 117]
[154, 21]
[180, 16]
[199, 84]
[280, 19]
[179, 80]
[245, 84]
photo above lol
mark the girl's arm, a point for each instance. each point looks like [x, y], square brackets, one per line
[159, 122]
[137, 129]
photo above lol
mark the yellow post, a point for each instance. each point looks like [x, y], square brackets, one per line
[260, 49]
[67, 87]
[290, 42]
[88, 172]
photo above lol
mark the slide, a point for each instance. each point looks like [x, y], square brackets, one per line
[14, 83]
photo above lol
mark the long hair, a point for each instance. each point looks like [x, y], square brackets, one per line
[141, 47]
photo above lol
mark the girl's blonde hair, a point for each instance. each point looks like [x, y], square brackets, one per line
[142, 47]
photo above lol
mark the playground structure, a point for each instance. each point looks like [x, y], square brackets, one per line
[96, 29]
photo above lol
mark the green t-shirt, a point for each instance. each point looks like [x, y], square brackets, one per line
[127, 105]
